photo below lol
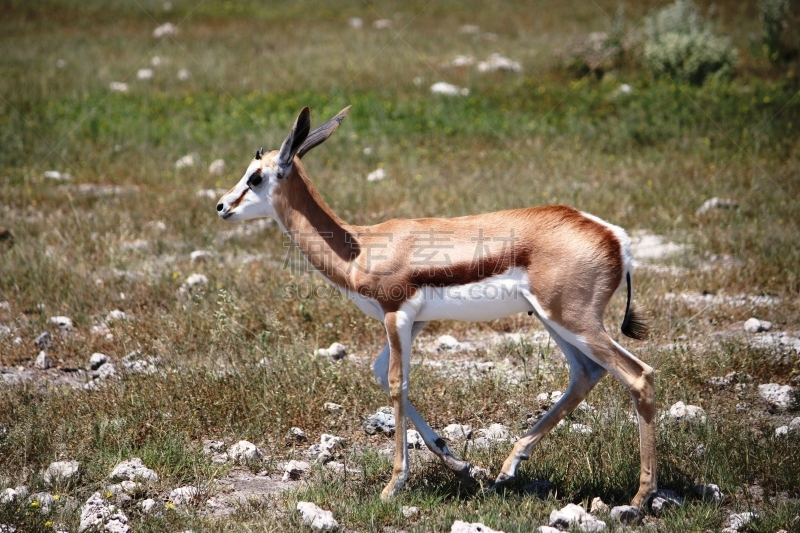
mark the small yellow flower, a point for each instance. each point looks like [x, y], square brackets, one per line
[56, 497]
[108, 494]
[48, 524]
[34, 504]
[170, 505]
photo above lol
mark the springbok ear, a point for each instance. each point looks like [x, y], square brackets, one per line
[317, 136]
[293, 142]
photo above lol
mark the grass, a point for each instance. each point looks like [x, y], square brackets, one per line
[645, 160]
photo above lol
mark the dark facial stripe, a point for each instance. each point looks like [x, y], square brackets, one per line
[239, 200]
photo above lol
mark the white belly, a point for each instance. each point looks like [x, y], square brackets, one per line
[492, 298]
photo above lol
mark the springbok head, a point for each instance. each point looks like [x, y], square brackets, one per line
[253, 196]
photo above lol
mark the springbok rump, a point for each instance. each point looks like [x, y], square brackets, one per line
[554, 262]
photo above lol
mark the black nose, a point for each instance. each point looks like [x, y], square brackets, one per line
[220, 207]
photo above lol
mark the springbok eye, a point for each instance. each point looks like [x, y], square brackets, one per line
[254, 180]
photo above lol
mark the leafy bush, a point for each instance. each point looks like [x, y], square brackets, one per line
[773, 19]
[682, 47]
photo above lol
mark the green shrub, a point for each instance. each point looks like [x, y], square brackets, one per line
[682, 47]
[773, 19]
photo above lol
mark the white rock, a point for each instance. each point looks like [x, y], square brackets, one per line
[475, 527]
[296, 434]
[567, 516]
[332, 407]
[379, 422]
[737, 521]
[8, 495]
[165, 30]
[356, 22]
[583, 429]
[184, 74]
[56, 175]
[497, 62]
[116, 315]
[625, 89]
[244, 451]
[184, 495]
[193, 281]
[495, 433]
[470, 29]
[156, 61]
[105, 371]
[754, 325]
[663, 499]
[414, 439]
[780, 397]
[627, 514]
[547, 529]
[331, 443]
[716, 203]
[316, 517]
[295, 470]
[410, 511]
[97, 360]
[382, 24]
[96, 512]
[118, 87]
[211, 447]
[689, 413]
[448, 89]
[144, 74]
[61, 472]
[459, 62]
[781, 431]
[42, 361]
[457, 432]
[133, 470]
[64, 323]
[709, 492]
[336, 351]
[794, 425]
[377, 175]
[151, 507]
[598, 506]
[217, 167]
[448, 343]
[187, 161]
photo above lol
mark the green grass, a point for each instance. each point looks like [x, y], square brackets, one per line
[645, 161]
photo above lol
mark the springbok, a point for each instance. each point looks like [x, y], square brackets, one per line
[554, 262]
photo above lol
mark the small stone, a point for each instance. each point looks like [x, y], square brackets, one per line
[332, 407]
[133, 470]
[244, 451]
[152, 507]
[192, 282]
[116, 315]
[8, 495]
[165, 30]
[794, 425]
[64, 323]
[294, 470]
[567, 516]
[539, 488]
[144, 74]
[336, 351]
[105, 371]
[598, 506]
[356, 22]
[689, 413]
[447, 343]
[495, 433]
[664, 499]
[97, 360]
[547, 529]
[410, 511]
[42, 361]
[200, 256]
[779, 397]
[496, 62]
[737, 521]
[414, 439]
[382, 24]
[475, 527]
[456, 432]
[580, 428]
[296, 435]
[184, 495]
[43, 341]
[713, 204]
[211, 447]
[217, 167]
[754, 325]
[331, 443]
[379, 423]
[184, 74]
[448, 89]
[377, 175]
[96, 512]
[627, 514]
[62, 472]
[316, 517]
[710, 492]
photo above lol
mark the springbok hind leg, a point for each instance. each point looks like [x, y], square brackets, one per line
[584, 375]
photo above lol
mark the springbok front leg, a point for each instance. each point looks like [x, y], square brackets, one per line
[584, 375]
[399, 327]
[432, 439]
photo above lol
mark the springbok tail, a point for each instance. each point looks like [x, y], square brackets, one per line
[633, 324]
